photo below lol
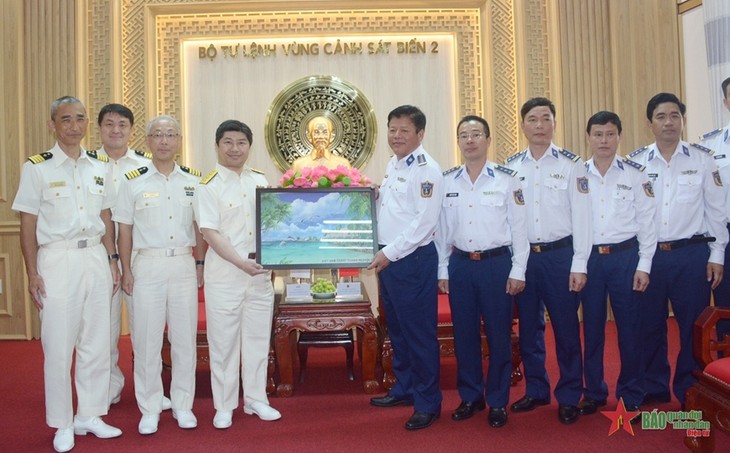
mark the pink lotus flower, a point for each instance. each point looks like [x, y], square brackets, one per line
[321, 176]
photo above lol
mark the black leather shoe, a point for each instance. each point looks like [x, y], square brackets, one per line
[588, 407]
[654, 398]
[526, 404]
[467, 410]
[390, 401]
[633, 408]
[497, 417]
[568, 413]
[420, 420]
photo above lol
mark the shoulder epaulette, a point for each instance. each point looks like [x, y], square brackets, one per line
[710, 134]
[515, 156]
[569, 155]
[38, 158]
[136, 172]
[638, 151]
[702, 148]
[451, 170]
[507, 170]
[143, 154]
[631, 163]
[191, 171]
[421, 159]
[97, 156]
[209, 177]
[257, 171]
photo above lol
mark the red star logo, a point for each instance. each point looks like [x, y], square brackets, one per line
[620, 417]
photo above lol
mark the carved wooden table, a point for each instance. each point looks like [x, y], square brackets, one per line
[333, 315]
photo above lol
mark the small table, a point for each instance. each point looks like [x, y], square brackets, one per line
[330, 315]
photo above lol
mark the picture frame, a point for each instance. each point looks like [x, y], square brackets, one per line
[315, 227]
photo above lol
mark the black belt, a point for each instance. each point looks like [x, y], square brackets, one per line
[668, 246]
[607, 249]
[476, 256]
[252, 256]
[539, 247]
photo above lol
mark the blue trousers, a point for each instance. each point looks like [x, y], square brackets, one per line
[612, 275]
[546, 285]
[680, 276]
[476, 293]
[409, 288]
[722, 297]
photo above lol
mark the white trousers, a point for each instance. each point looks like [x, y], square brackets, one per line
[75, 314]
[117, 377]
[165, 291]
[116, 383]
[239, 310]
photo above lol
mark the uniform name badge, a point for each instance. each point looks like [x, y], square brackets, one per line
[426, 189]
[151, 194]
[582, 184]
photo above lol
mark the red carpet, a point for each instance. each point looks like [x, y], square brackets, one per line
[326, 413]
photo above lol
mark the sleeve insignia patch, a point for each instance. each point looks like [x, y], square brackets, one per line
[519, 198]
[716, 178]
[426, 189]
[648, 189]
[582, 184]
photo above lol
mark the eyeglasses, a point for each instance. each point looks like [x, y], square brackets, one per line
[158, 136]
[474, 136]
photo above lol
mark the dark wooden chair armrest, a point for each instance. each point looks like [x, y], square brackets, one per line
[705, 346]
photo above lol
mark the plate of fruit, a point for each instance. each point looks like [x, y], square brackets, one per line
[323, 289]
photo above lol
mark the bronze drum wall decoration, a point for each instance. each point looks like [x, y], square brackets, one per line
[344, 104]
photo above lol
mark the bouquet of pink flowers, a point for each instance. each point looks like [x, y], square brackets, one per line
[322, 176]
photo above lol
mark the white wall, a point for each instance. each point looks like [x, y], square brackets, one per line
[699, 96]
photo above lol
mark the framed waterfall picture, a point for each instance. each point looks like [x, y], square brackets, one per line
[315, 228]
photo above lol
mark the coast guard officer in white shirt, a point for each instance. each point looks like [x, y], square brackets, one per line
[719, 142]
[690, 213]
[555, 186]
[624, 241]
[483, 250]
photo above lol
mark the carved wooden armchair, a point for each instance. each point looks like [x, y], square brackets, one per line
[711, 394]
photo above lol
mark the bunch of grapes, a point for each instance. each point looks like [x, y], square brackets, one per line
[322, 285]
